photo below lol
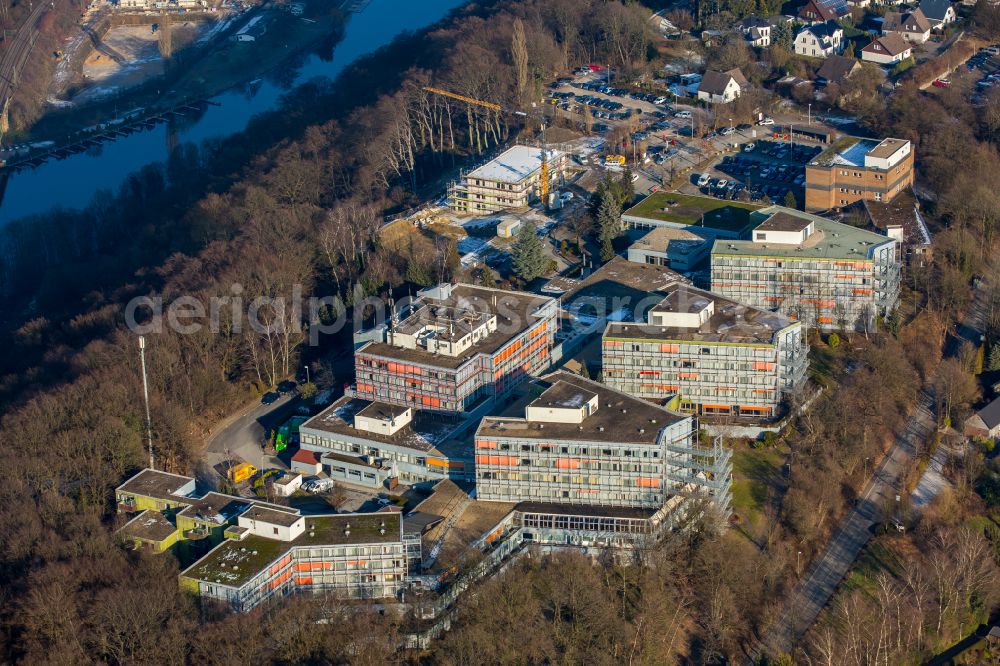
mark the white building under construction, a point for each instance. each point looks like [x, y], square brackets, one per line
[511, 180]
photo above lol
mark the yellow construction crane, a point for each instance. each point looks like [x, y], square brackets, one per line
[543, 183]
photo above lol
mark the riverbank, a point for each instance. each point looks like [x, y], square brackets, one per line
[204, 71]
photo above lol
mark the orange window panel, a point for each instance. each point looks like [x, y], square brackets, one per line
[760, 365]
[716, 406]
[649, 372]
[647, 482]
[688, 375]
[434, 462]
[670, 349]
[825, 320]
[304, 580]
[567, 463]
[485, 444]
[613, 343]
[754, 409]
[863, 292]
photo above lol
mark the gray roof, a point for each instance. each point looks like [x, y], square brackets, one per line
[990, 414]
[837, 68]
[935, 9]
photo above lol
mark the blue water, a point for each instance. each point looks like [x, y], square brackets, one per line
[72, 182]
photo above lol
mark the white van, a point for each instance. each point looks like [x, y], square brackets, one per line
[703, 181]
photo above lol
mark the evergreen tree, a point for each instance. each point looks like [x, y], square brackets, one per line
[790, 201]
[994, 363]
[528, 253]
[609, 226]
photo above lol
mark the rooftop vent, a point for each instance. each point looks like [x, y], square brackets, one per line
[347, 533]
[624, 411]
[311, 533]
[253, 552]
[642, 431]
[236, 567]
[600, 428]
[653, 421]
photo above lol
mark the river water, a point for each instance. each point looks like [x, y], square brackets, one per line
[72, 182]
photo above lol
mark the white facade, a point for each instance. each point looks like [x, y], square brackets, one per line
[731, 92]
[814, 43]
[877, 53]
[273, 524]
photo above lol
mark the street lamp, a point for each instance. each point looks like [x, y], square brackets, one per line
[306, 366]
[145, 393]
[810, 111]
[798, 558]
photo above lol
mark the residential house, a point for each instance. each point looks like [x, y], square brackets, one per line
[837, 69]
[756, 32]
[887, 50]
[985, 422]
[938, 12]
[722, 87]
[821, 11]
[820, 40]
[912, 26]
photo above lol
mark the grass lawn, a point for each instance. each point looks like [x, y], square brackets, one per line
[688, 209]
[754, 471]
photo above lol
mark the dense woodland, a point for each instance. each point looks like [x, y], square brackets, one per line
[298, 200]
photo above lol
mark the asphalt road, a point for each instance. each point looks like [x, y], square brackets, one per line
[243, 436]
[817, 588]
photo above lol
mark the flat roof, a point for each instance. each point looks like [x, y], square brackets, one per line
[234, 562]
[513, 165]
[516, 313]
[660, 238]
[563, 395]
[269, 515]
[782, 221]
[215, 508]
[160, 485]
[694, 211]
[149, 526]
[887, 148]
[619, 418]
[852, 150]
[382, 411]
[829, 240]
[423, 433]
[732, 322]
[619, 278]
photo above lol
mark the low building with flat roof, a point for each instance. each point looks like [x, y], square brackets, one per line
[580, 443]
[704, 216]
[361, 438]
[354, 556]
[151, 489]
[855, 169]
[717, 355]
[150, 530]
[817, 271]
[454, 349]
[678, 249]
[511, 180]
[252, 551]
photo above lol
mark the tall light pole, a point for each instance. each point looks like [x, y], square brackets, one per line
[145, 393]
[306, 366]
[810, 112]
[798, 557]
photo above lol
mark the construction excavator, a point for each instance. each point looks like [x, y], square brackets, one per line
[543, 181]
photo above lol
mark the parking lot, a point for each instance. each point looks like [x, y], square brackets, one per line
[765, 167]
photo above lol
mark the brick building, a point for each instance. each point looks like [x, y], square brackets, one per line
[456, 348]
[856, 169]
[719, 356]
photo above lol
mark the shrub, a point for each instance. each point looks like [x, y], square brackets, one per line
[833, 340]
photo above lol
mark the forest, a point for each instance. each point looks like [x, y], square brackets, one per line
[298, 199]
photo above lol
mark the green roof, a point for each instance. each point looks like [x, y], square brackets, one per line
[693, 210]
[837, 147]
[830, 240]
[255, 553]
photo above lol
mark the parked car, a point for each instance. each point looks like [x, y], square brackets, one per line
[317, 485]
[942, 83]
[743, 127]
[721, 185]
[766, 121]
[726, 131]
[748, 148]
[682, 114]
[703, 180]
[269, 398]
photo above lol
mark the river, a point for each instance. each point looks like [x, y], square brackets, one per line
[72, 182]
